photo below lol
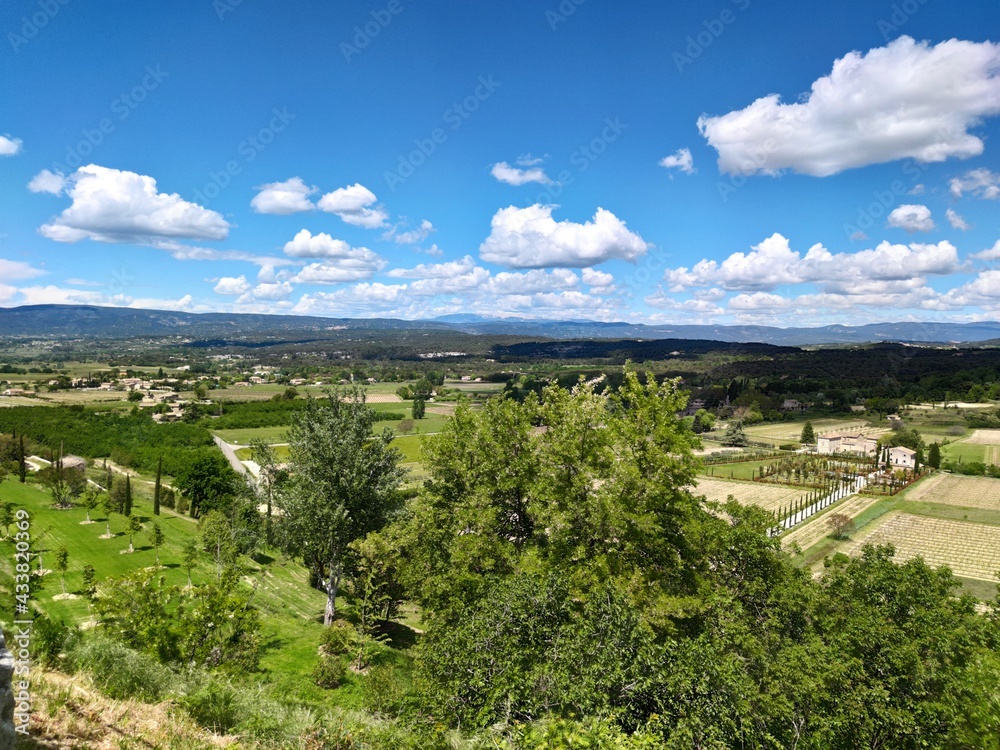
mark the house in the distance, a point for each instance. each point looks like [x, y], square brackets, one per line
[861, 444]
[902, 458]
[76, 463]
[790, 404]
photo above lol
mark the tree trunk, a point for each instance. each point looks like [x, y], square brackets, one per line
[332, 584]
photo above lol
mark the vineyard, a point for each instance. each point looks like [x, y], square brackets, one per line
[747, 493]
[984, 437]
[966, 492]
[971, 550]
[808, 534]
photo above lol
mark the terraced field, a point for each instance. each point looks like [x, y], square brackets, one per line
[984, 437]
[971, 550]
[953, 489]
[766, 496]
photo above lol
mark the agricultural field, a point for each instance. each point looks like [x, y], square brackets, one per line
[789, 432]
[971, 550]
[965, 451]
[815, 528]
[984, 437]
[746, 470]
[953, 489]
[768, 497]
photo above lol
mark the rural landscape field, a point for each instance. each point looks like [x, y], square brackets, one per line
[557, 375]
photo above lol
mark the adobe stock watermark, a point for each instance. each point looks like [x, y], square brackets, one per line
[223, 8]
[562, 12]
[365, 33]
[121, 108]
[582, 158]
[712, 29]
[901, 13]
[32, 25]
[248, 150]
[454, 117]
[20, 640]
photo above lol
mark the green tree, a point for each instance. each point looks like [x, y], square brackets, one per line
[934, 456]
[22, 464]
[735, 435]
[157, 487]
[134, 527]
[808, 436]
[267, 459]
[7, 516]
[90, 501]
[156, 538]
[127, 499]
[190, 556]
[344, 482]
[418, 408]
[62, 565]
[209, 483]
[108, 506]
[89, 581]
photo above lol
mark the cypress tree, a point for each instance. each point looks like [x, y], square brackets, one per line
[127, 510]
[22, 465]
[156, 487]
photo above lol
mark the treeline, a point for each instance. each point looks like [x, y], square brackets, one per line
[131, 439]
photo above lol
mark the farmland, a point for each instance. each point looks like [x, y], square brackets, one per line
[971, 550]
[966, 492]
[815, 529]
[768, 497]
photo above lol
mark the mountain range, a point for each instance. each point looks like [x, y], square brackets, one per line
[84, 321]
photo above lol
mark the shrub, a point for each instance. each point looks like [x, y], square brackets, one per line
[120, 672]
[383, 690]
[787, 447]
[50, 638]
[215, 704]
[339, 638]
[182, 505]
[329, 672]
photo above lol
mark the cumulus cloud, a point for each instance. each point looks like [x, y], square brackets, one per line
[111, 205]
[681, 160]
[47, 182]
[531, 238]
[532, 282]
[979, 182]
[504, 172]
[990, 253]
[13, 270]
[956, 221]
[353, 205]
[230, 285]
[904, 100]
[271, 291]
[10, 146]
[283, 198]
[912, 218]
[773, 263]
[341, 262]
[598, 281]
[410, 237]
[435, 270]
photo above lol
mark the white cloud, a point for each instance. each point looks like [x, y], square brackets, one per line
[956, 220]
[990, 253]
[435, 270]
[504, 172]
[47, 182]
[283, 198]
[341, 262]
[773, 263]
[184, 304]
[411, 237]
[681, 160]
[338, 271]
[905, 100]
[110, 205]
[533, 282]
[232, 285]
[758, 301]
[10, 146]
[53, 295]
[272, 291]
[462, 283]
[353, 205]
[531, 238]
[11, 270]
[598, 281]
[912, 218]
[980, 182]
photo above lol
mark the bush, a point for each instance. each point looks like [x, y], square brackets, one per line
[182, 505]
[50, 638]
[329, 672]
[787, 447]
[383, 690]
[120, 672]
[216, 705]
[339, 638]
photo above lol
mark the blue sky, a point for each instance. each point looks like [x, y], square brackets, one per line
[727, 161]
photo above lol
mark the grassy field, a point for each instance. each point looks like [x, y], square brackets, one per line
[816, 528]
[789, 432]
[745, 470]
[767, 496]
[962, 451]
[291, 610]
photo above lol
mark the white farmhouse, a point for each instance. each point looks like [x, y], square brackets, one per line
[902, 458]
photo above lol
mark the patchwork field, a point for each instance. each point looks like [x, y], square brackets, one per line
[984, 437]
[768, 497]
[952, 489]
[816, 528]
[786, 432]
[971, 550]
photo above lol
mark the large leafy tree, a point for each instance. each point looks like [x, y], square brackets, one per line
[209, 483]
[345, 482]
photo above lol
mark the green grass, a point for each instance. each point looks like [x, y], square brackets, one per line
[744, 470]
[270, 435]
[964, 452]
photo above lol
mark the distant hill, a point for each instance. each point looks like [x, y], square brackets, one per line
[82, 321]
